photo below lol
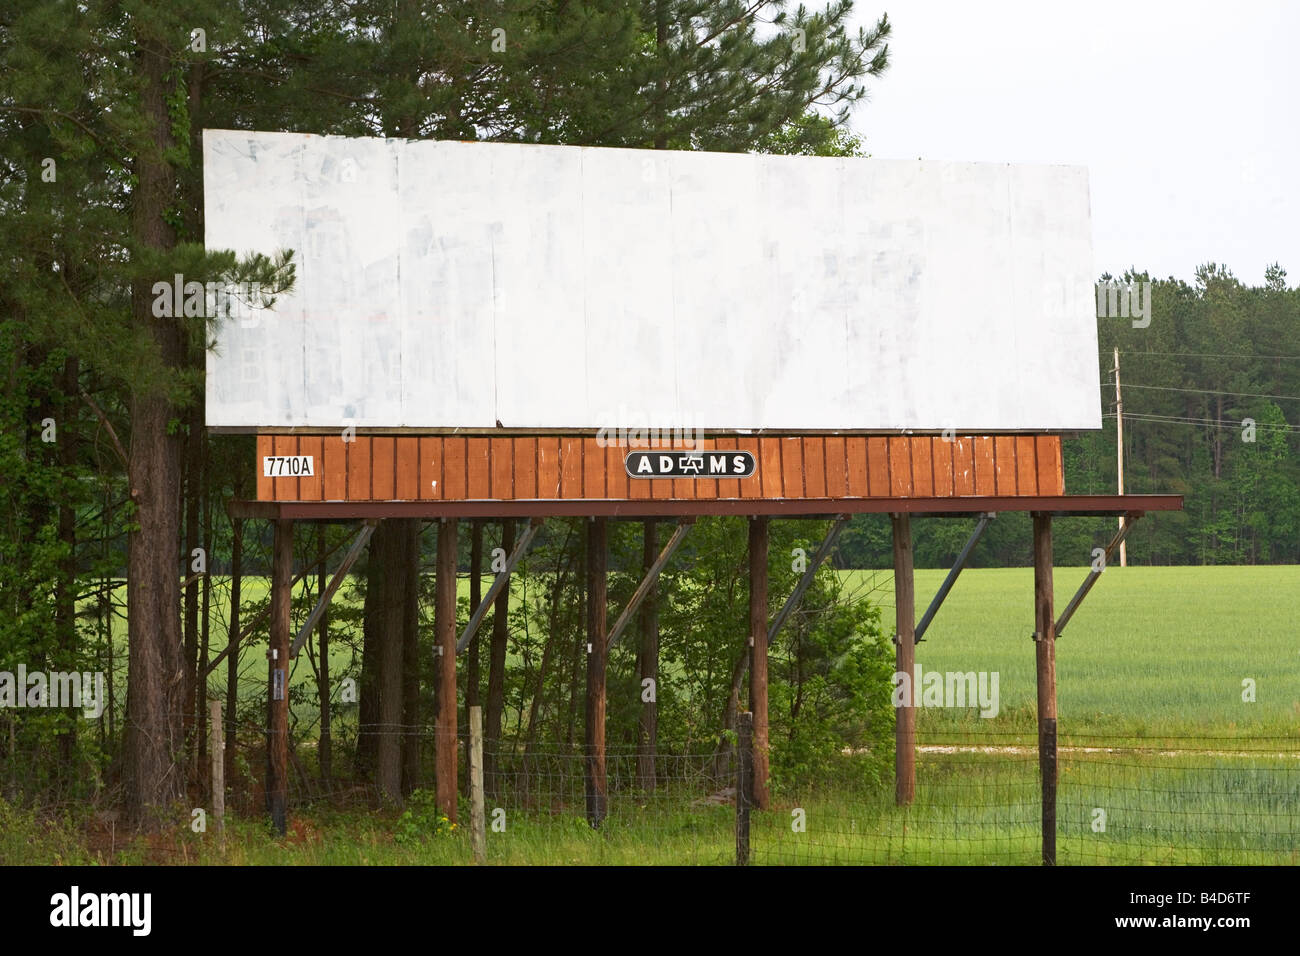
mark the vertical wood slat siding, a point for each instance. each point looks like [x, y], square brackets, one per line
[452, 468]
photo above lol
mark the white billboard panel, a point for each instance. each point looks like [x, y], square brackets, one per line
[460, 285]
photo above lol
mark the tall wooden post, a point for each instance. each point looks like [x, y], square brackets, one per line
[277, 749]
[444, 624]
[758, 655]
[497, 665]
[218, 786]
[904, 662]
[1045, 655]
[744, 783]
[595, 723]
[477, 821]
[648, 666]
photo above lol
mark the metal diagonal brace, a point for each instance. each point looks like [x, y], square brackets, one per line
[498, 583]
[796, 596]
[1094, 574]
[651, 576]
[951, 579]
[349, 559]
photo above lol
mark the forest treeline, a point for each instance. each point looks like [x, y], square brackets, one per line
[112, 496]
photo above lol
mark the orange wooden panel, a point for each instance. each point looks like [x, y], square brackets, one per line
[922, 467]
[334, 472]
[478, 473]
[900, 467]
[525, 462]
[593, 469]
[985, 477]
[570, 467]
[265, 486]
[615, 471]
[751, 487]
[1026, 466]
[286, 489]
[360, 452]
[963, 466]
[1004, 464]
[659, 488]
[769, 467]
[503, 468]
[878, 468]
[726, 487]
[408, 470]
[454, 478]
[837, 485]
[1051, 472]
[792, 485]
[311, 488]
[432, 464]
[548, 468]
[383, 467]
[941, 462]
[814, 467]
[856, 467]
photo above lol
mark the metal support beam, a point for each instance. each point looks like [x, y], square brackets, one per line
[1094, 574]
[822, 553]
[648, 582]
[951, 579]
[498, 583]
[349, 559]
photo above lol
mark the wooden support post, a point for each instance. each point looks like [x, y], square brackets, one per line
[477, 819]
[1045, 655]
[648, 666]
[758, 655]
[218, 770]
[444, 624]
[596, 650]
[277, 749]
[904, 662]
[744, 783]
[497, 665]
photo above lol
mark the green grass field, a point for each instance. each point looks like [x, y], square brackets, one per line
[1155, 737]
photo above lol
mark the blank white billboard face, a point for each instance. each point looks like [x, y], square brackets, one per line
[461, 285]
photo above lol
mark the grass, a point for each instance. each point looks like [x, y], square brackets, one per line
[1157, 742]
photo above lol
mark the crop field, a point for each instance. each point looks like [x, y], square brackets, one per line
[1162, 759]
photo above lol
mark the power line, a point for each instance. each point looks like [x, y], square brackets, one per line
[1209, 391]
[1202, 422]
[1249, 355]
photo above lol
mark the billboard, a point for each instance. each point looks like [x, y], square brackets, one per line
[483, 286]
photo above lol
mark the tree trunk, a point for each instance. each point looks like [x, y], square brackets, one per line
[233, 636]
[648, 666]
[156, 673]
[391, 650]
[410, 618]
[325, 747]
[497, 668]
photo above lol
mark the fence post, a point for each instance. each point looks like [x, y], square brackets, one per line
[477, 821]
[744, 783]
[1045, 659]
[218, 771]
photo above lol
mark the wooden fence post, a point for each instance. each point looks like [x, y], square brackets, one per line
[758, 655]
[1045, 659]
[596, 650]
[218, 770]
[277, 751]
[477, 820]
[744, 783]
[904, 662]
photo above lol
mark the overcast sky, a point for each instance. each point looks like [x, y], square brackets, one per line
[1184, 113]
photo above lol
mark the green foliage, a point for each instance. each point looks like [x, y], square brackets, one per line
[422, 821]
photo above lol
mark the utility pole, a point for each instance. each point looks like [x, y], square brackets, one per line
[1119, 450]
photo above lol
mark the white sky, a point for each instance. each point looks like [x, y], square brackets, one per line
[1184, 113]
